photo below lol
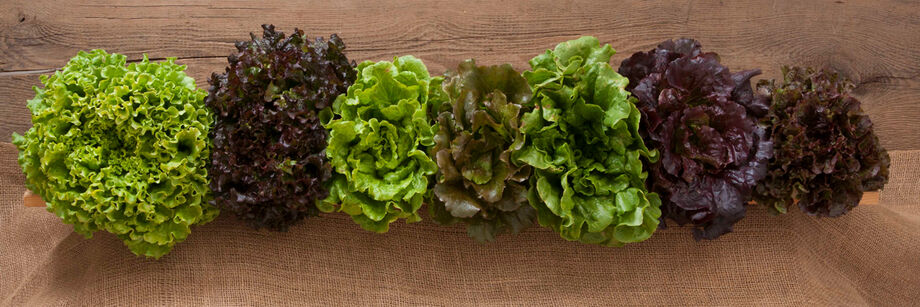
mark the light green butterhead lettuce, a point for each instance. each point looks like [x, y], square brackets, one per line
[379, 135]
[120, 149]
[583, 142]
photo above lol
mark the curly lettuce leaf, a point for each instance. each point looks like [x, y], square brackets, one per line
[478, 183]
[703, 120]
[380, 132]
[582, 140]
[122, 149]
[268, 162]
[826, 153]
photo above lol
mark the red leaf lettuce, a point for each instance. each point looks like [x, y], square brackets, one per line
[826, 153]
[703, 119]
[268, 161]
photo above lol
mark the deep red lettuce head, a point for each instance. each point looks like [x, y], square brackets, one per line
[268, 160]
[703, 120]
[826, 153]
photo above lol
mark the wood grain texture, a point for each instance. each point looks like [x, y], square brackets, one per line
[30, 199]
[875, 43]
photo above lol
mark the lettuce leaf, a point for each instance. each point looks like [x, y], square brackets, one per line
[582, 140]
[478, 183]
[121, 149]
[380, 132]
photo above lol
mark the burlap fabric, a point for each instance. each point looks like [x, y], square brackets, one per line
[868, 257]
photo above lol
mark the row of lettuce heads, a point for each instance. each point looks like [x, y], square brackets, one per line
[293, 128]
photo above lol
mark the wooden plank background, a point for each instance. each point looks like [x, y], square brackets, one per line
[876, 43]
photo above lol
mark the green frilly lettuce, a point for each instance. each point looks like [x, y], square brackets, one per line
[380, 132]
[583, 142]
[120, 149]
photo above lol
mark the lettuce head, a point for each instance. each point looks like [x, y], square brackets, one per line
[122, 149]
[379, 135]
[582, 140]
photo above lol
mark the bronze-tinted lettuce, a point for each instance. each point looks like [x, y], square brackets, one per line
[478, 183]
[704, 121]
[268, 160]
[826, 153]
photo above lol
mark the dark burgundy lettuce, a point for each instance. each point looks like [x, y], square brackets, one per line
[703, 120]
[478, 183]
[268, 160]
[826, 153]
